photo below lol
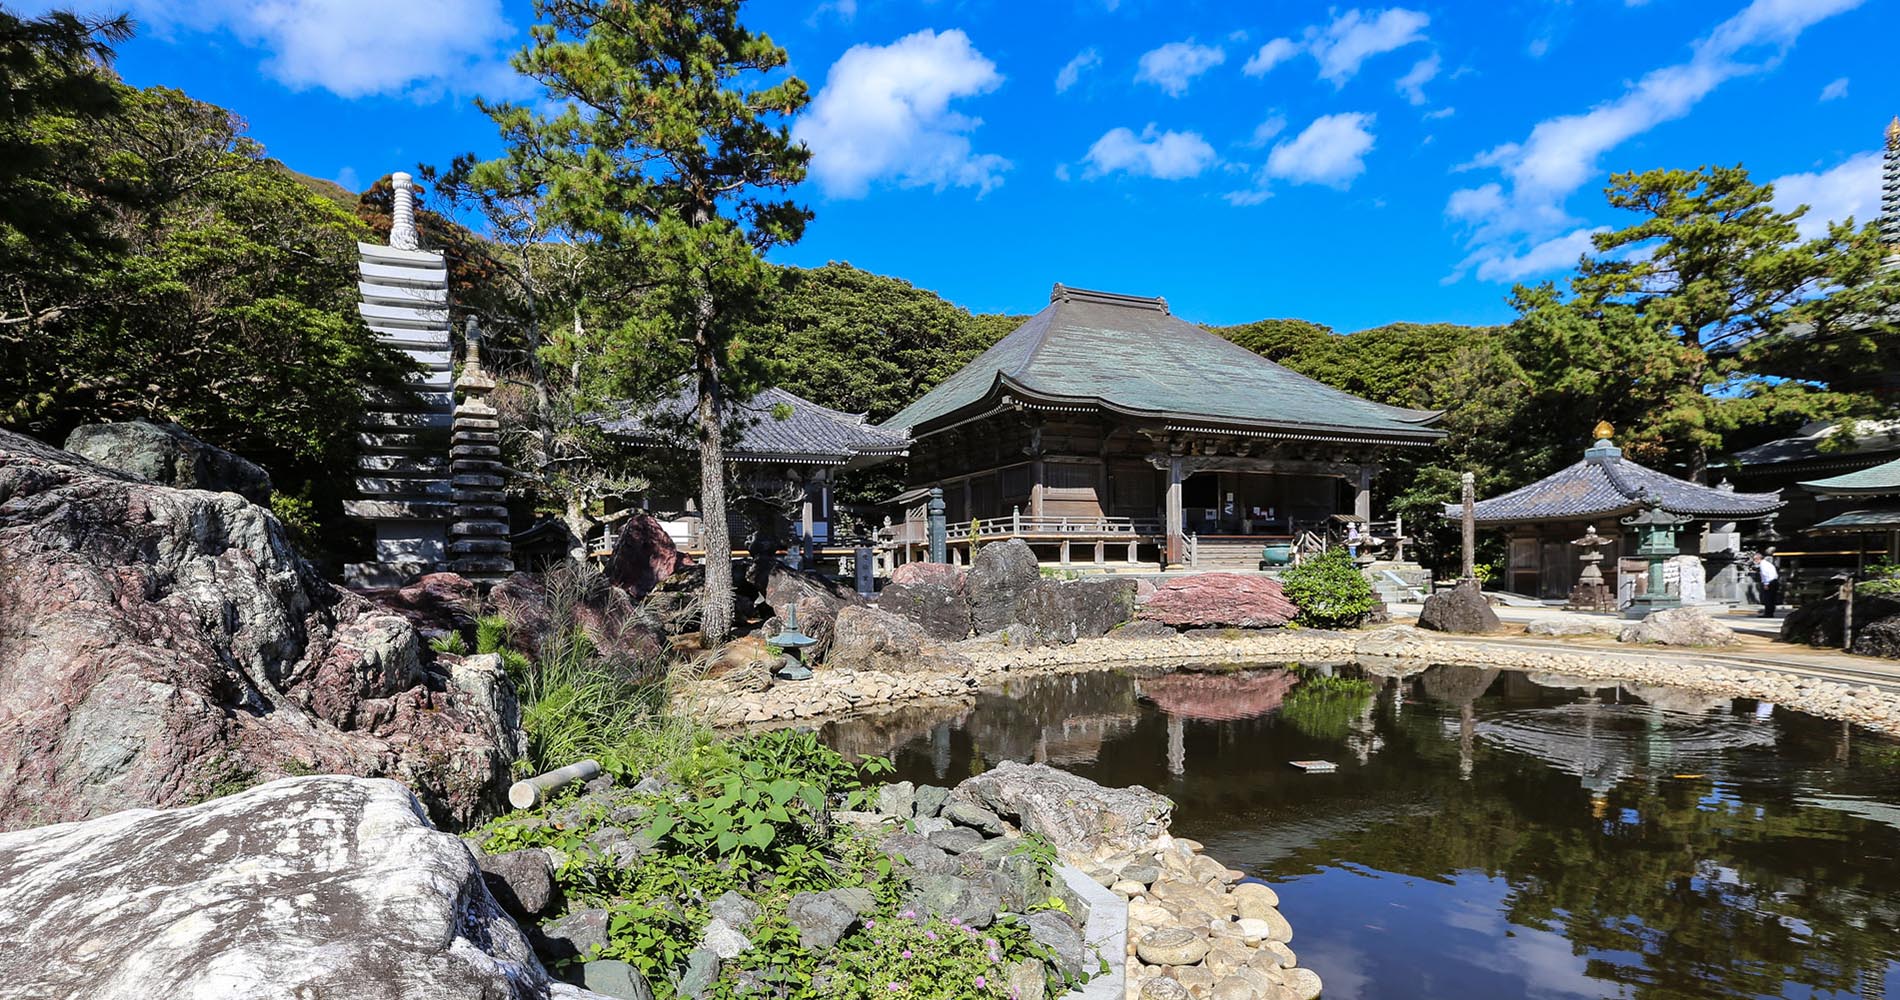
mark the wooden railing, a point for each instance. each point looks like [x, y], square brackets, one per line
[1019, 525]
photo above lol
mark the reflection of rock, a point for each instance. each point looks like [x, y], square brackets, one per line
[1219, 696]
[1394, 669]
[1569, 683]
[877, 735]
[1604, 744]
[1674, 699]
[1458, 685]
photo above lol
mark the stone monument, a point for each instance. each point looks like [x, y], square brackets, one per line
[478, 546]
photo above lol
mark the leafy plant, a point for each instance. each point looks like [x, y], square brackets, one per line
[452, 643]
[1329, 591]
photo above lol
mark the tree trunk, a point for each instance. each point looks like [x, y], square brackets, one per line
[716, 613]
[578, 525]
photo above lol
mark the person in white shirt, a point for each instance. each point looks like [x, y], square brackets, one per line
[1352, 540]
[1770, 577]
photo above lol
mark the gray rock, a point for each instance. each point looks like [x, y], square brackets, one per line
[734, 909]
[824, 917]
[624, 848]
[1097, 605]
[724, 940]
[702, 967]
[1027, 980]
[930, 800]
[1066, 809]
[521, 881]
[1055, 931]
[971, 814]
[1573, 626]
[1002, 576]
[169, 455]
[917, 852]
[868, 639]
[1304, 983]
[1164, 988]
[1144, 629]
[957, 840]
[941, 609]
[1143, 872]
[898, 799]
[1171, 946]
[317, 886]
[578, 934]
[611, 977]
[1462, 609]
[1020, 883]
[1679, 627]
[952, 898]
[932, 824]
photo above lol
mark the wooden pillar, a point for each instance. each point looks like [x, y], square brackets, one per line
[1362, 494]
[1101, 551]
[1035, 488]
[1176, 526]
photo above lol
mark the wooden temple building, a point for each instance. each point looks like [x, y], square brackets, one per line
[784, 456]
[1542, 520]
[1107, 429]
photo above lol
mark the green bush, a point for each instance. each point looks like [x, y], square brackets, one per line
[1329, 591]
[1323, 707]
[1883, 578]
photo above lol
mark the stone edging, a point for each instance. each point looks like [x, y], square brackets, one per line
[1106, 931]
[836, 693]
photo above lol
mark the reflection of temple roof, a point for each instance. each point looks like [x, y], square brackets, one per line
[1246, 695]
[1604, 485]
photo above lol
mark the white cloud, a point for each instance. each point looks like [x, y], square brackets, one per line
[1072, 71]
[1412, 84]
[1264, 132]
[1834, 91]
[1437, 113]
[1344, 45]
[1271, 54]
[1851, 189]
[1561, 154]
[1538, 47]
[1175, 65]
[359, 48]
[348, 181]
[1556, 254]
[1168, 156]
[1330, 151]
[884, 112]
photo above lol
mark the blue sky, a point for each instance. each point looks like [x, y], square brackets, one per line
[1349, 165]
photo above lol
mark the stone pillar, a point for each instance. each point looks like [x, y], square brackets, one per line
[1362, 495]
[402, 213]
[1469, 489]
[478, 546]
[936, 529]
[1176, 528]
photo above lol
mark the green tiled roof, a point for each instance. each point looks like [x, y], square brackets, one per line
[1860, 522]
[1881, 479]
[1131, 355]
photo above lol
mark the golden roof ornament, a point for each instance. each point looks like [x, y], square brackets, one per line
[1603, 430]
[1893, 133]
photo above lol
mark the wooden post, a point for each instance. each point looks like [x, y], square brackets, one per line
[1176, 526]
[1362, 496]
[1847, 614]
[1469, 487]
[1015, 521]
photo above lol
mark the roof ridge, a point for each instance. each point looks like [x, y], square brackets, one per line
[1063, 293]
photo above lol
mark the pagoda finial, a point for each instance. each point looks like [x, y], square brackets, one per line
[402, 226]
[1890, 191]
[1603, 430]
[1893, 134]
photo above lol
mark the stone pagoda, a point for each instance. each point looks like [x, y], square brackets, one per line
[403, 476]
[1890, 194]
[478, 546]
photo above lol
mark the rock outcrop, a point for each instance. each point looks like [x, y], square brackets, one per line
[437, 603]
[305, 887]
[644, 556]
[869, 639]
[159, 644]
[1219, 600]
[1070, 811]
[1679, 627]
[1003, 576]
[940, 608]
[169, 455]
[1876, 624]
[1463, 609]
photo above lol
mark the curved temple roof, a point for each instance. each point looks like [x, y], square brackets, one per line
[1131, 355]
[777, 425]
[1881, 480]
[1606, 484]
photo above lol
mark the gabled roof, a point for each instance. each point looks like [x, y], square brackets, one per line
[1132, 356]
[1880, 480]
[1605, 484]
[1814, 441]
[773, 425]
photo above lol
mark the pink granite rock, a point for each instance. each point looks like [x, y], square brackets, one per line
[1218, 600]
[644, 556]
[940, 574]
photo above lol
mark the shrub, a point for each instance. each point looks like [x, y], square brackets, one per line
[1883, 578]
[1329, 591]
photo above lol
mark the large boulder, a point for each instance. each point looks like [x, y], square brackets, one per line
[305, 887]
[1818, 623]
[1219, 600]
[942, 610]
[1463, 609]
[1880, 637]
[1679, 627]
[955, 577]
[644, 556]
[169, 455]
[871, 639]
[1072, 812]
[1096, 605]
[629, 636]
[438, 603]
[161, 644]
[1002, 577]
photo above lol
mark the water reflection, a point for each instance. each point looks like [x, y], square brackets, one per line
[1491, 834]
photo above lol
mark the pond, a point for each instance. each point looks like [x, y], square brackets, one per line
[1489, 833]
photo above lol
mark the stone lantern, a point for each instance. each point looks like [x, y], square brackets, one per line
[1656, 541]
[1591, 593]
[791, 640]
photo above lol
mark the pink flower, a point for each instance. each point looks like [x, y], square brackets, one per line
[896, 987]
[932, 935]
[869, 924]
[906, 952]
[981, 982]
[956, 921]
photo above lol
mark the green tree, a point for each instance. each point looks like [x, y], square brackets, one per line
[665, 143]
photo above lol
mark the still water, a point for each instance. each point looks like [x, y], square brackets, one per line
[1487, 833]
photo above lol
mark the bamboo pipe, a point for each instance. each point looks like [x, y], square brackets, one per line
[530, 792]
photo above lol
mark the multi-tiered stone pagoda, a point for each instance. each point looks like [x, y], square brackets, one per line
[404, 471]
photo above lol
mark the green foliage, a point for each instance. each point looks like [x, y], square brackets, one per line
[1880, 579]
[924, 958]
[1329, 591]
[1324, 707]
[453, 644]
